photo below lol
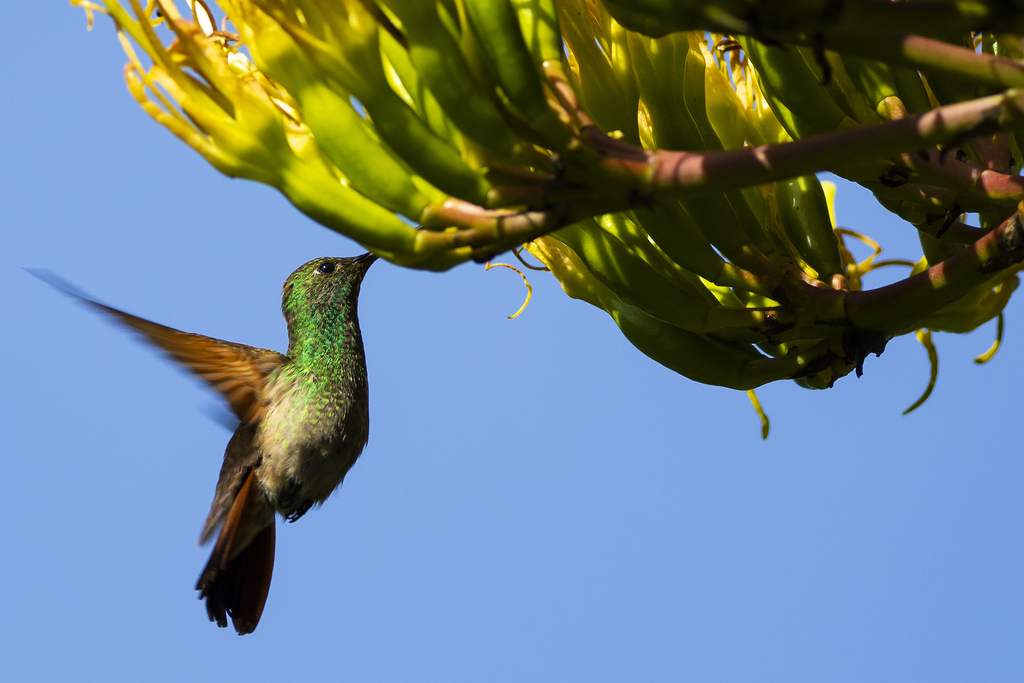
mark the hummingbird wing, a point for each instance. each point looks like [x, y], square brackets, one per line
[237, 371]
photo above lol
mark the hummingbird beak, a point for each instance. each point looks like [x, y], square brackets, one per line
[366, 259]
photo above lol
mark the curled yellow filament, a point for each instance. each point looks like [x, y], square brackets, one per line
[89, 8]
[854, 270]
[529, 287]
[987, 356]
[925, 337]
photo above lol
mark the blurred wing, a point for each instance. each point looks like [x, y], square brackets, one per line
[237, 371]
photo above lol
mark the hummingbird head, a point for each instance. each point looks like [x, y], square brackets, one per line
[325, 290]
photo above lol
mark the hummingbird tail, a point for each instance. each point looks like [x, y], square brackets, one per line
[236, 579]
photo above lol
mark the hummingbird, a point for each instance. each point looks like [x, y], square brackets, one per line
[303, 419]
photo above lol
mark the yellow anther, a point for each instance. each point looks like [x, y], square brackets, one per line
[203, 16]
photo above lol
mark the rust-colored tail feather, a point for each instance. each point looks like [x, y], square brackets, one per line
[236, 580]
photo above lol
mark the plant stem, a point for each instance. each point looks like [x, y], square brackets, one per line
[899, 307]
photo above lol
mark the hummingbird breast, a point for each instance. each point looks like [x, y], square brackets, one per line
[310, 436]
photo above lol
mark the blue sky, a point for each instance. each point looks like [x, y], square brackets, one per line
[538, 501]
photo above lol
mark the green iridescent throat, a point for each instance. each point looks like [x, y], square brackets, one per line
[323, 333]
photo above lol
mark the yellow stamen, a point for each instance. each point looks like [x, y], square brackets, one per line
[765, 424]
[925, 337]
[529, 287]
[203, 16]
[854, 270]
[89, 8]
[987, 356]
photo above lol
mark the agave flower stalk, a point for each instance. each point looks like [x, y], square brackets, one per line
[661, 176]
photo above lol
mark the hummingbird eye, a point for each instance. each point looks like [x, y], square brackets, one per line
[327, 268]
